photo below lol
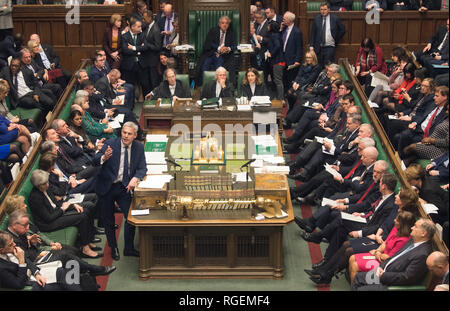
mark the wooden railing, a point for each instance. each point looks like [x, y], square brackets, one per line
[391, 154]
[16, 185]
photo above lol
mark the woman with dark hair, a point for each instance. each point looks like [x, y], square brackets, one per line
[399, 235]
[370, 59]
[406, 201]
[276, 60]
[75, 122]
[252, 84]
[112, 41]
[395, 102]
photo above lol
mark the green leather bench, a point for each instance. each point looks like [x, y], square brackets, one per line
[315, 6]
[23, 113]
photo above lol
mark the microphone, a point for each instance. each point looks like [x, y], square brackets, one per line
[248, 163]
[173, 163]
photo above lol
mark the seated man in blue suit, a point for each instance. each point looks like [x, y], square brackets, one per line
[123, 166]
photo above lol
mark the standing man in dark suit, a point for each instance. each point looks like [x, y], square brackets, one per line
[434, 45]
[272, 15]
[151, 57]
[262, 37]
[220, 43]
[170, 88]
[292, 42]
[165, 24]
[327, 30]
[134, 65]
[123, 166]
[406, 267]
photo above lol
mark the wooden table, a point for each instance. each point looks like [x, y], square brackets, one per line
[210, 244]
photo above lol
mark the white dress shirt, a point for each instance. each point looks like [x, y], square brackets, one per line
[424, 124]
[121, 168]
[22, 87]
[289, 29]
[329, 41]
[218, 89]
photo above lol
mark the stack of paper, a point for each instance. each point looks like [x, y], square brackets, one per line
[261, 101]
[76, 198]
[155, 158]
[245, 48]
[350, 217]
[140, 212]
[380, 79]
[244, 107]
[155, 182]
[329, 202]
[120, 118]
[430, 208]
[332, 171]
[241, 177]
[156, 169]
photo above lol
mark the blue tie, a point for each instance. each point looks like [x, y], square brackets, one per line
[125, 177]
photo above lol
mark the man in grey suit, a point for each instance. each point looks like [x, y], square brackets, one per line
[406, 267]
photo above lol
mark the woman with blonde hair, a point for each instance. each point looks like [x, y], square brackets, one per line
[112, 41]
[252, 84]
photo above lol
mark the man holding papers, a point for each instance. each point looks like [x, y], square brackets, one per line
[123, 166]
[338, 230]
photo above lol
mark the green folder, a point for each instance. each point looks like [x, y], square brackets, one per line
[150, 102]
[264, 150]
[155, 146]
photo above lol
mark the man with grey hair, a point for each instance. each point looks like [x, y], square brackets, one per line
[220, 87]
[220, 43]
[406, 267]
[171, 87]
[123, 165]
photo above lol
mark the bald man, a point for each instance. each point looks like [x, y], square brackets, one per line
[437, 263]
[165, 23]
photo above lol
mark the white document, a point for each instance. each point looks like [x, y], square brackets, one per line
[121, 98]
[392, 117]
[430, 208]
[119, 118]
[326, 201]
[257, 163]
[260, 100]
[77, 198]
[156, 138]
[283, 214]
[260, 217]
[264, 140]
[380, 79]
[141, 212]
[184, 47]
[155, 158]
[353, 218]
[155, 182]
[244, 107]
[114, 124]
[332, 171]
[269, 117]
[156, 169]
[241, 177]
[48, 271]
[372, 104]
[274, 160]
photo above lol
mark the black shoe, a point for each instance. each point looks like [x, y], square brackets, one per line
[294, 176]
[105, 271]
[116, 226]
[131, 252]
[286, 124]
[99, 231]
[311, 237]
[115, 253]
[304, 224]
[303, 176]
[96, 240]
[316, 266]
[321, 280]
[310, 199]
[97, 248]
[312, 273]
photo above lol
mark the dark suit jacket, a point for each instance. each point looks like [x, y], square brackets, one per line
[95, 74]
[365, 205]
[337, 4]
[15, 277]
[383, 4]
[52, 57]
[37, 69]
[30, 80]
[408, 269]
[110, 168]
[128, 56]
[437, 38]
[163, 91]
[31, 251]
[379, 216]
[212, 42]
[43, 212]
[154, 42]
[434, 194]
[264, 33]
[162, 22]
[438, 119]
[337, 30]
[209, 90]
[106, 90]
[260, 90]
[425, 107]
[294, 46]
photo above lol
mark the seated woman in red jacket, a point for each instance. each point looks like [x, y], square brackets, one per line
[399, 235]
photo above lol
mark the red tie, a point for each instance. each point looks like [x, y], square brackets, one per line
[64, 156]
[427, 129]
[366, 193]
[373, 205]
[353, 170]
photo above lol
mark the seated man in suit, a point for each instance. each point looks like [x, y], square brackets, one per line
[32, 244]
[98, 70]
[434, 45]
[315, 154]
[406, 267]
[49, 60]
[220, 43]
[220, 87]
[123, 165]
[170, 88]
[438, 169]
[110, 88]
[25, 90]
[425, 124]
[80, 76]
[14, 267]
[29, 66]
